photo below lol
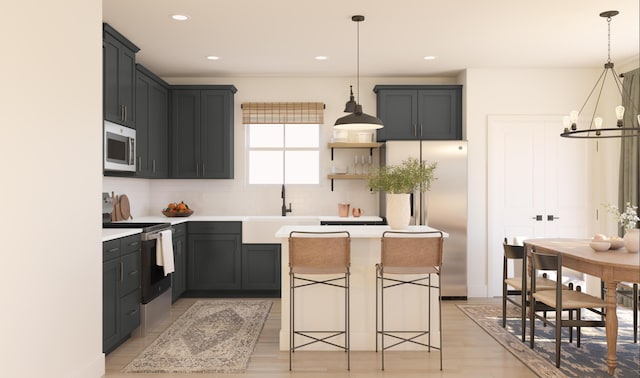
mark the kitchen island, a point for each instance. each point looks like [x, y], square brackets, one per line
[322, 307]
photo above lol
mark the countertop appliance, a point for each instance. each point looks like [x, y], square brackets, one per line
[119, 148]
[443, 207]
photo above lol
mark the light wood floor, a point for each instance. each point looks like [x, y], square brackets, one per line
[468, 352]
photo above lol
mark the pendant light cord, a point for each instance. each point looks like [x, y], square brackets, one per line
[608, 39]
[358, 60]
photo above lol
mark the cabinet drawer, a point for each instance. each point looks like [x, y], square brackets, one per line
[130, 312]
[111, 249]
[215, 227]
[130, 244]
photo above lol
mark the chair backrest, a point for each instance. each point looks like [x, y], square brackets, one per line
[548, 262]
[320, 252]
[411, 249]
[513, 251]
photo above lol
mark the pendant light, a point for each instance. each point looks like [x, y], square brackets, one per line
[595, 129]
[357, 120]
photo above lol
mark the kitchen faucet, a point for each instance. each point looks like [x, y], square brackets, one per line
[284, 207]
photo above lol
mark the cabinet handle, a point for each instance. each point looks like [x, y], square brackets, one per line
[202, 169]
[415, 130]
[139, 163]
[132, 312]
[420, 131]
[113, 249]
[121, 271]
[125, 113]
[153, 165]
[133, 273]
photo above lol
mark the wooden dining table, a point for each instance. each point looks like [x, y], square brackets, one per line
[612, 267]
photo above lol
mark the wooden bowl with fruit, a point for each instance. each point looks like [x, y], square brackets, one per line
[177, 210]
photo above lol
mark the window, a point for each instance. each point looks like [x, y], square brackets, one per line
[284, 153]
[283, 142]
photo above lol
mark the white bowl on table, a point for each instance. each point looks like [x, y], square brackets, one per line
[600, 246]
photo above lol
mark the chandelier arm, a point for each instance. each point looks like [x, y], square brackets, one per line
[593, 89]
[623, 92]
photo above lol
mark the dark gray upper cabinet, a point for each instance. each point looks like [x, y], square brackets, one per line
[202, 131]
[152, 124]
[119, 60]
[419, 112]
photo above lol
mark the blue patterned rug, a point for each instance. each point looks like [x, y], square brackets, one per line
[586, 361]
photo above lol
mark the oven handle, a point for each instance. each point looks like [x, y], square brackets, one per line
[156, 235]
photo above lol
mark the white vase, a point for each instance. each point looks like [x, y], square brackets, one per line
[632, 240]
[398, 211]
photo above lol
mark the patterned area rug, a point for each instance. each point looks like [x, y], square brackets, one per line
[212, 336]
[586, 361]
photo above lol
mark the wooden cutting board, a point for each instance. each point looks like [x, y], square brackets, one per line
[125, 207]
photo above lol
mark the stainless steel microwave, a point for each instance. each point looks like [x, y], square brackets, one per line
[119, 148]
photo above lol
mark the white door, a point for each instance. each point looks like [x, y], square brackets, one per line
[537, 185]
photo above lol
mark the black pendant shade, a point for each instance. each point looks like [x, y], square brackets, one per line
[358, 121]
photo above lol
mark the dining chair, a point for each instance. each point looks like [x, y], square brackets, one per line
[327, 256]
[561, 299]
[408, 258]
[512, 284]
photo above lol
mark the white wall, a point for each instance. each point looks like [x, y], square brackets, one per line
[51, 106]
[524, 92]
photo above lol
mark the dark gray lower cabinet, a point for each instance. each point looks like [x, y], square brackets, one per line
[214, 256]
[179, 277]
[261, 267]
[217, 261]
[120, 290]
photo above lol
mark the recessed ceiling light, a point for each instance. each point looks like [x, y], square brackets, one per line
[321, 57]
[213, 57]
[429, 57]
[179, 17]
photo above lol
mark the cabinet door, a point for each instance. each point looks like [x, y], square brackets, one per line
[439, 114]
[110, 304]
[216, 135]
[261, 267]
[143, 167]
[158, 144]
[152, 127]
[179, 277]
[111, 105]
[185, 133]
[398, 110]
[119, 82]
[214, 262]
[130, 276]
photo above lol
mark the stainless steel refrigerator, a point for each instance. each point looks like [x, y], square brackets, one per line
[444, 207]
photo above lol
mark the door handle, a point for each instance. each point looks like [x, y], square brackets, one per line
[537, 218]
[550, 218]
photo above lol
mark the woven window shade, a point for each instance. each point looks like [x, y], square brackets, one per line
[282, 112]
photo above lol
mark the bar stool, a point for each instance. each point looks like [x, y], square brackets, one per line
[319, 253]
[408, 253]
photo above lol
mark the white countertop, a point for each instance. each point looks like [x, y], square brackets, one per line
[357, 232]
[110, 233]
[117, 233]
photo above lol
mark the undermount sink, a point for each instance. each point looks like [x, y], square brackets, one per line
[261, 229]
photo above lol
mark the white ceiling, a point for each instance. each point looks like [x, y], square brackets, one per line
[282, 37]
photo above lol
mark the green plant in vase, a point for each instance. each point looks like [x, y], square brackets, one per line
[398, 181]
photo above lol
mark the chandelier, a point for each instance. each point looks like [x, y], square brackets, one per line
[595, 129]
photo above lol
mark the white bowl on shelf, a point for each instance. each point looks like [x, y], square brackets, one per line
[600, 246]
[339, 170]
